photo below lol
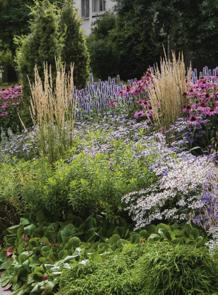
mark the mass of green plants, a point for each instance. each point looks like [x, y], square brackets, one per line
[61, 258]
[109, 187]
[66, 229]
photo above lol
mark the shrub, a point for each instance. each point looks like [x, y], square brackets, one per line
[6, 61]
[99, 181]
[74, 50]
[110, 274]
[103, 51]
[90, 184]
[180, 269]
[21, 183]
[160, 268]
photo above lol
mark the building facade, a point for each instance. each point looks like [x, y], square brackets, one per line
[90, 10]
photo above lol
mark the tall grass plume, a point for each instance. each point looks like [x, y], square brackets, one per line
[168, 92]
[53, 110]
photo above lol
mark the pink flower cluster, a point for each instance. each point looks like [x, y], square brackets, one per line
[146, 110]
[9, 97]
[202, 100]
[138, 92]
[138, 87]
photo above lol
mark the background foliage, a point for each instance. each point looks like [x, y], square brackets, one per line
[135, 38]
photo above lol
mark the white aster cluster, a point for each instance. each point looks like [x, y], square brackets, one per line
[178, 195]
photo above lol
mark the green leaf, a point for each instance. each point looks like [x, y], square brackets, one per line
[154, 237]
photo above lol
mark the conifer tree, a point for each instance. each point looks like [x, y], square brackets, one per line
[75, 49]
[42, 44]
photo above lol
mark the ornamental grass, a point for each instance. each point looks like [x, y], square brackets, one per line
[53, 110]
[168, 91]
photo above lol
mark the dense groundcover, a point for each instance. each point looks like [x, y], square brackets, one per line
[130, 208]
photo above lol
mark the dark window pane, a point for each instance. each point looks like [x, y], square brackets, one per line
[85, 8]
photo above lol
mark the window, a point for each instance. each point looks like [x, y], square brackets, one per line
[102, 5]
[85, 8]
[98, 5]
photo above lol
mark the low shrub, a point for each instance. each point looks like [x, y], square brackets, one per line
[111, 274]
[160, 268]
[89, 184]
[34, 255]
[180, 269]
[22, 182]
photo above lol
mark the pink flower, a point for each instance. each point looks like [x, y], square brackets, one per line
[112, 104]
[142, 102]
[139, 115]
[3, 114]
[9, 251]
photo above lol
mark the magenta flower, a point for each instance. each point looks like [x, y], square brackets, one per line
[9, 97]
[203, 100]
[112, 104]
[139, 115]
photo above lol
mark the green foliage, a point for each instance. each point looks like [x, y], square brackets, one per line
[176, 234]
[74, 50]
[88, 185]
[14, 21]
[98, 181]
[180, 269]
[19, 181]
[14, 16]
[146, 268]
[6, 60]
[8, 216]
[33, 257]
[103, 48]
[55, 34]
[109, 274]
[141, 29]
[41, 45]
